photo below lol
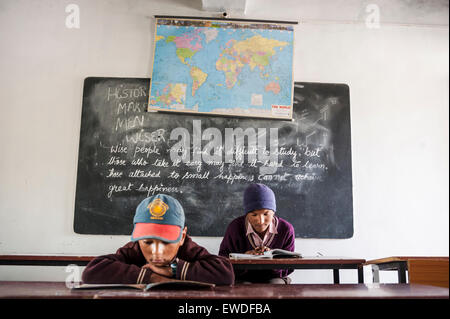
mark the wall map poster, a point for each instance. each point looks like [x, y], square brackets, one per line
[223, 67]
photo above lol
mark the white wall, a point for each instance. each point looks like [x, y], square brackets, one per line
[398, 77]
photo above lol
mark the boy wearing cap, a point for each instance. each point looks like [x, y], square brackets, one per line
[160, 250]
[257, 231]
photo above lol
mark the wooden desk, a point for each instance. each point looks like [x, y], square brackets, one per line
[58, 290]
[399, 264]
[43, 260]
[334, 263]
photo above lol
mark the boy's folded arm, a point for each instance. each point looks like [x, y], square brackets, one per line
[196, 263]
[123, 267]
[213, 269]
[112, 269]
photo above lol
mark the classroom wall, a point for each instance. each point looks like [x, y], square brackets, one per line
[398, 78]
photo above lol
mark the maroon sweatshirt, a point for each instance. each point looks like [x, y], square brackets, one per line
[235, 241]
[125, 266]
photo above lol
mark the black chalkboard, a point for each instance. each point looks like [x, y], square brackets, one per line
[127, 154]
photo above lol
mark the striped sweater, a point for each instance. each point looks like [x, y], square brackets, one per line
[125, 266]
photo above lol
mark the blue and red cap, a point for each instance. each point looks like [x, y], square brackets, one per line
[159, 217]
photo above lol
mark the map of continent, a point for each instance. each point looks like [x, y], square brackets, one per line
[214, 67]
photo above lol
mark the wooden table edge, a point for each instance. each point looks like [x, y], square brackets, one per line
[402, 258]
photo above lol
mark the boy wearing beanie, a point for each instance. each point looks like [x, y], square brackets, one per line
[257, 231]
[160, 250]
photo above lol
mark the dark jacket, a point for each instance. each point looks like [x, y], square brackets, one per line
[235, 241]
[125, 266]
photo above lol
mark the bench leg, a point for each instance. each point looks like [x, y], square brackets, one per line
[336, 276]
[375, 274]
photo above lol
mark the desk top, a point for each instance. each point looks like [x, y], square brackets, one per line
[45, 258]
[304, 260]
[299, 261]
[53, 290]
[83, 260]
[402, 258]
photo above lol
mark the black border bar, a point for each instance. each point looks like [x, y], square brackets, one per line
[224, 19]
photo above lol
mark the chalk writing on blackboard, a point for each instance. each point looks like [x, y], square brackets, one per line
[127, 154]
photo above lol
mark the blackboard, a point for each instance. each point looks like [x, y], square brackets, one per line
[127, 154]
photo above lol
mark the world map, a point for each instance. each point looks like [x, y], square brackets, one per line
[222, 68]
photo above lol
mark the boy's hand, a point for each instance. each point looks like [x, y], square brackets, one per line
[258, 250]
[165, 271]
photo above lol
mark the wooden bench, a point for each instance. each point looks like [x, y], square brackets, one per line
[424, 270]
[428, 272]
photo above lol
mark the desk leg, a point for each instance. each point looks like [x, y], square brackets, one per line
[402, 273]
[336, 276]
[360, 275]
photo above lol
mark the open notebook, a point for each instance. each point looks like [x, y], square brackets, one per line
[271, 254]
[172, 284]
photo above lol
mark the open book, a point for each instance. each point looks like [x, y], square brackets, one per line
[172, 284]
[270, 254]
